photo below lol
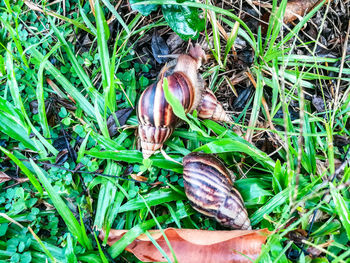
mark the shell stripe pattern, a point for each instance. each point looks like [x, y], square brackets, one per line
[207, 187]
[206, 161]
[211, 108]
[210, 191]
[153, 108]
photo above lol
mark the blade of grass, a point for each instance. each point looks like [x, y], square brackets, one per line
[102, 38]
[178, 108]
[163, 234]
[230, 145]
[25, 170]
[106, 196]
[132, 156]
[35, 7]
[341, 208]
[87, 21]
[88, 85]
[154, 198]
[132, 234]
[118, 17]
[73, 225]
[70, 89]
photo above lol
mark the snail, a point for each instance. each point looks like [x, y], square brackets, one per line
[157, 120]
[209, 187]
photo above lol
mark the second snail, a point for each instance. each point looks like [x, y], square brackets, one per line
[157, 120]
[209, 187]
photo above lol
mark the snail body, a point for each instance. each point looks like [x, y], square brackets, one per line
[208, 186]
[157, 120]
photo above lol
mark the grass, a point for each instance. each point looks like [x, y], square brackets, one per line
[57, 214]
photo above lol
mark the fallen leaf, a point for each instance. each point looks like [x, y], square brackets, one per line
[314, 252]
[298, 8]
[192, 245]
[318, 103]
[4, 177]
[138, 178]
[174, 41]
[159, 48]
[122, 116]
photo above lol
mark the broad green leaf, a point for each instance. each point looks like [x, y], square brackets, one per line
[144, 9]
[253, 190]
[184, 20]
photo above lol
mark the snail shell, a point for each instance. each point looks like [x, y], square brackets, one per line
[211, 108]
[209, 188]
[156, 117]
[157, 120]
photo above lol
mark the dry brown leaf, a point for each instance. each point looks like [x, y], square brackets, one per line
[192, 245]
[4, 177]
[138, 177]
[314, 252]
[298, 8]
[92, 6]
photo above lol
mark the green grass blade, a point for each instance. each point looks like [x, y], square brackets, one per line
[178, 108]
[341, 208]
[82, 147]
[132, 234]
[42, 245]
[11, 126]
[106, 196]
[132, 156]
[87, 21]
[102, 255]
[70, 89]
[301, 24]
[276, 22]
[25, 170]
[69, 251]
[88, 85]
[102, 38]
[66, 214]
[230, 145]
[117, 16]
[152, 199]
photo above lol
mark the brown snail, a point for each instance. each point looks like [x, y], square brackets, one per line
[157, 120]
[209, 188]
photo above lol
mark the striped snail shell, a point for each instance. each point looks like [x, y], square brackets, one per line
[156, 117]
[157, 120]
[211, 108]
[209, 188]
